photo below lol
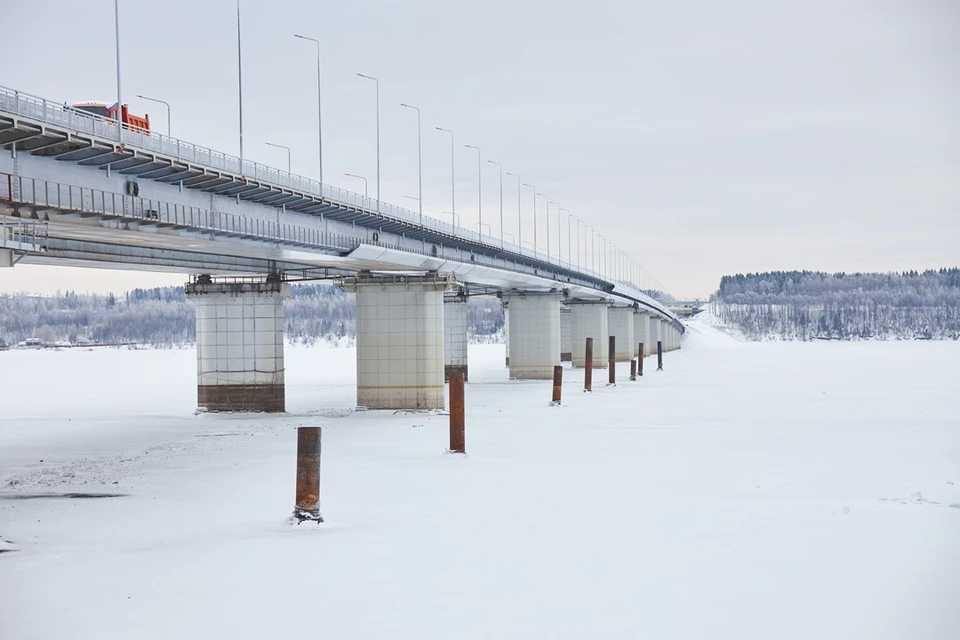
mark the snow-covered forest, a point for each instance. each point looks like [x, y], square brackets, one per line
[164, 317]
[805, 305]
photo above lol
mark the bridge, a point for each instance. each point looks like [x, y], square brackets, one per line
[79, 189]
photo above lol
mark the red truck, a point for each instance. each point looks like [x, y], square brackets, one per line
[110, 111]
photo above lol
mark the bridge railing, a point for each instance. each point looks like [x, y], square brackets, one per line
[61, 114]
[40, 194]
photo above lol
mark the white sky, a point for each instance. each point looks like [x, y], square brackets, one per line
[706, 138]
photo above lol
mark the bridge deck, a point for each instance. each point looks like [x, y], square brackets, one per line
[46, 128]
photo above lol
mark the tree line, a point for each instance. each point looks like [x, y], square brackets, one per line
[164, 317]
[805, 305]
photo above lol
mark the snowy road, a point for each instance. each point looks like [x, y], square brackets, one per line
[774, 490]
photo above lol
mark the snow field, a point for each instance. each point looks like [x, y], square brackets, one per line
[750, 490]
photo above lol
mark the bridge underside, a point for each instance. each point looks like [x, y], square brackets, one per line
[118, 241]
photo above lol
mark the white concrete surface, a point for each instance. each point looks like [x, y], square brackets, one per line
[239, 337]
[653, 332]
[534, 335]
[640, 327]
[590, 321]
[400, 343]
[506, 332]
[620, 322]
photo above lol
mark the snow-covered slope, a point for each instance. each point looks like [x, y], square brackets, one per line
[704, 331]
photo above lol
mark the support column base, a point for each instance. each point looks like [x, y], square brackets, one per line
[597, 364]
[532, 373]
[417, 397]
[242, 397]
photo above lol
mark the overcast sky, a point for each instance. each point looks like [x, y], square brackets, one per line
[704, 137]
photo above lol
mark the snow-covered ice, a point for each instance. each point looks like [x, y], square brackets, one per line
[750, 490]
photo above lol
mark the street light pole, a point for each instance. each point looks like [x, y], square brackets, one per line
[597, 252]
[116, 29]
[578, 243]
[240, 85]
[605, 252]
[359, 177]
[164, 103]
[479, 191]
[377, 82]
[593, 249]
[453, 191]
[519, 236]
[282, 146]
[533, 190]
[419, 159]
[500, 168]
[549, 202]
[587, 261]
[603, 256]
[316, 42]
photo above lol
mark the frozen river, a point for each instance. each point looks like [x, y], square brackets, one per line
[751, 490]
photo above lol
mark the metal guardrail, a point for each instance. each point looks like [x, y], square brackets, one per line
[52, 112]
[39, 193]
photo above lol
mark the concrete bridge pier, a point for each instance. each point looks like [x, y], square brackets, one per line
[640, 326]
[589, 320]
[620, 321]
[400, 340]
[534, 334]
[239, 343]
[455, 335]
[506, 332]
[654, 332]
[675, 338]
